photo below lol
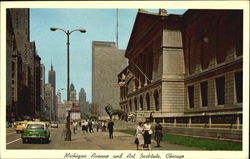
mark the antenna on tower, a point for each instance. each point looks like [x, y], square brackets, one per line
[117, 28]
[51, 65]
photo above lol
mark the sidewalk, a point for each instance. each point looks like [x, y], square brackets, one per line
[101, 141]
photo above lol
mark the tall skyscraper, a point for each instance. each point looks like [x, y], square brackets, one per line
[107, 61]
[72, 94]
[49, 102]
[82, 101]
[52, 81]
[42, 88]
[61, 110]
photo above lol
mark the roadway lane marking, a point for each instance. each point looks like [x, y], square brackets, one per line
[13, 141]
[11, 133]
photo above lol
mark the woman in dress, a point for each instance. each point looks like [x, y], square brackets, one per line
[147, 134]
[139, 136]
[158, 133]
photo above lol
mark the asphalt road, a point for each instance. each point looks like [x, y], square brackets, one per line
[84, 141]
[14, 141]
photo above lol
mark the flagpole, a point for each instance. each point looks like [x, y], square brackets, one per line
[117, 28]
[140, 70]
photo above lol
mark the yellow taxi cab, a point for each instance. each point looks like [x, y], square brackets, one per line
[21, 126]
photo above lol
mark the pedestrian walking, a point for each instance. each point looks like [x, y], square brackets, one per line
[83, 127]
[158, 133]
[139, 141]
[111, 129]
[80, 123]
[93, 125]
[147, 134]
[104, 125]
[74, 127]
[90, 126]
[98, 126]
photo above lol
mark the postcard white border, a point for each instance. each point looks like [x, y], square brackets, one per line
[130, 5]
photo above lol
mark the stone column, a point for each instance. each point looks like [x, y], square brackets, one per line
[175, 122]
[238, 122]
[209, 121]
[189, 122]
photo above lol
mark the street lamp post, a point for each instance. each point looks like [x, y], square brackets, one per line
[68, 133]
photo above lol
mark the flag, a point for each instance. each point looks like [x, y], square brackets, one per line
[121, 84]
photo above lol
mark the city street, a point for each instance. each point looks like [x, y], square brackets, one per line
[84, 141]
[14, 141]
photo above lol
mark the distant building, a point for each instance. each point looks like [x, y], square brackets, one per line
[49, 102]
[52, 81]
[42, 88]
[72, 94]
[82, 102]
[61, 110]
[107, 62]
[186, 71]
[75, 112]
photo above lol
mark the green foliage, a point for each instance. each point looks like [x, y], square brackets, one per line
[206, 144]
[109, 110]
[88, 116]
[129, 132]
[202, 143]
[94, 109]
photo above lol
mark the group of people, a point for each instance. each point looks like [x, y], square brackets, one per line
[144, 132]
[87, 126]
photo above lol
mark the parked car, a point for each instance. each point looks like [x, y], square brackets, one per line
[36, 131]
[54, 125]
[8, 124]
[21, 126]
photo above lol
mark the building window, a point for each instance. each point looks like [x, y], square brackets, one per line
[130, 105]
[238, 86]
[204, 94]
[135, 101]
[191, 96]
[148, 101]
[141, 102]
[220, 90]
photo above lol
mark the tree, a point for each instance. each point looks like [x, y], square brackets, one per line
[89, 116]
[109, 110]
[94, 109]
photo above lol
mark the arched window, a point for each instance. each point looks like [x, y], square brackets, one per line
[148, 101]
[156, 97]
[141, 102]
[135, 101]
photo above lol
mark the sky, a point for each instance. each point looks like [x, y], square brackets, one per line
[100, 25]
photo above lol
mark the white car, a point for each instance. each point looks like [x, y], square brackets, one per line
[54, 125]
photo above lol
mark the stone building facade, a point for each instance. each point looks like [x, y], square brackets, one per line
[186, 70]
[61, 109]
[23, 95]
[107, 61]
[52, 81]
[153, 80]
[83, 102]
[72, 94]
[42, 86]
[49, 102]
